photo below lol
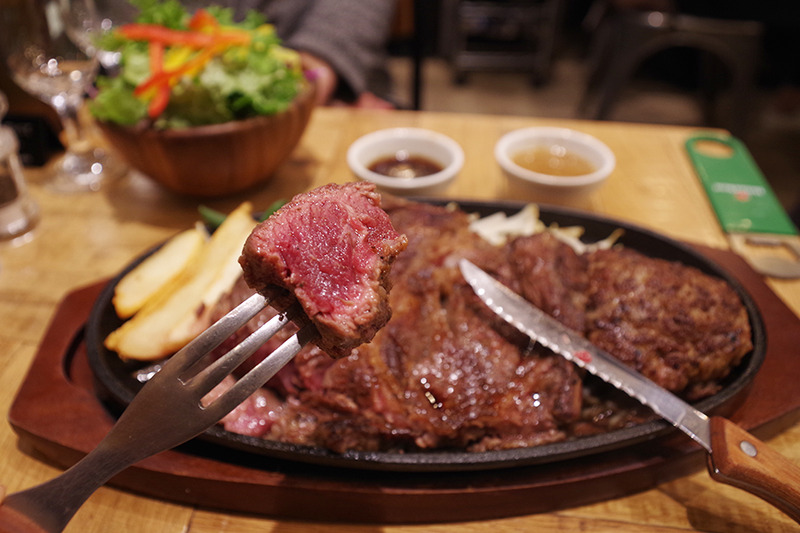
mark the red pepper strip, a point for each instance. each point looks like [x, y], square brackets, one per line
[156, 53]
[170, 77]
[167, 36]
[156, 59]
[160, 81]
[202, 20]
[161, 97]
[159, 102]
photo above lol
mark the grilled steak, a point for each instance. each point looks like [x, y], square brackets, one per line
[439, 375]
[332, 248]
[446, 372]
[551, 276]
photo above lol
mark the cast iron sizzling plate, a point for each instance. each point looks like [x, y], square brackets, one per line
[118, 385]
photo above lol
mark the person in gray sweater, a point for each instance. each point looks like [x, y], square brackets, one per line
[343, 42]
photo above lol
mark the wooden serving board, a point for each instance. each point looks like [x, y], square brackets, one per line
[57, 412]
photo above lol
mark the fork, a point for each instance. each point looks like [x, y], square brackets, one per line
[167, 412]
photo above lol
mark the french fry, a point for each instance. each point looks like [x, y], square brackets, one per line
[170, 320]
[150, 277]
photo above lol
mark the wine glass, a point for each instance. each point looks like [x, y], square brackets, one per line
[50, 53]
[19, 213]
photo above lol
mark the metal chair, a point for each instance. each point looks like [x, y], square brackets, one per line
[624, 40]
[524, 41]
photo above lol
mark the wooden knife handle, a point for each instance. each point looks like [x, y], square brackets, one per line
[741, 460]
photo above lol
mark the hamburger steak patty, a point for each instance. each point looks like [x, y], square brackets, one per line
[445, 372]
[677, 326]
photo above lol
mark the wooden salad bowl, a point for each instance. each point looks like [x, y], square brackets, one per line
[218, 159]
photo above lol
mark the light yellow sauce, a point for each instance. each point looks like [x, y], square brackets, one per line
[554, 160]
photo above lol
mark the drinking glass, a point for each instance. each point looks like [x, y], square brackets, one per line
[110, 15]
[19, 213]
[49, 50]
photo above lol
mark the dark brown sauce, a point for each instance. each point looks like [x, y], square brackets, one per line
[405, 165]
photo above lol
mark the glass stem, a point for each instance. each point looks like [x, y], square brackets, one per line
[74, 131]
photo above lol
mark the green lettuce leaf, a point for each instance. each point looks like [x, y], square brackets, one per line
[242, 82]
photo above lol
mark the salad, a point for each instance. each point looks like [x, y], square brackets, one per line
[178, 69]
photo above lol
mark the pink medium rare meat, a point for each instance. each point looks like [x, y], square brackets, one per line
[332, 248]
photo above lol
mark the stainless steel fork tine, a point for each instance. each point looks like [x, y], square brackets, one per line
[214, 335]
[210, 376]
[262, 372]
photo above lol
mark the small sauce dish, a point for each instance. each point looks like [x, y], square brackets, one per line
[554, 162]
[406, 161]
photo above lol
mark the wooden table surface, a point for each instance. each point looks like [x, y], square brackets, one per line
[88, 237]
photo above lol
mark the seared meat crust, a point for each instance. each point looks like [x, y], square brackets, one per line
[446, 372]
[436, 376]
[551, 276]
[677, 326]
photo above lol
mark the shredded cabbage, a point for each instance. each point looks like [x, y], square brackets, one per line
[498, 228]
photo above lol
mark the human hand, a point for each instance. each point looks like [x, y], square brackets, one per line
[326, 80]
[323, 76]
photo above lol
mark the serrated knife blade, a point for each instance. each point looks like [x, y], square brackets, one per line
[734, 456]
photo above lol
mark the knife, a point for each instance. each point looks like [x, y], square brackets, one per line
[734, 456]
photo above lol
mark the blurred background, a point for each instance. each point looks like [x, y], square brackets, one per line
[704, 63]
[731, 64]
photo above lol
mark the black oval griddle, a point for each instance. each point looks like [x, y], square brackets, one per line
[117, 385]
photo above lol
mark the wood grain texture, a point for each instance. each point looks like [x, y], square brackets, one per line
[186, 161]
[741, 460]
[85, 238]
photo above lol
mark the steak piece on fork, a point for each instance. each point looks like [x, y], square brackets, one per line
[332, 248]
